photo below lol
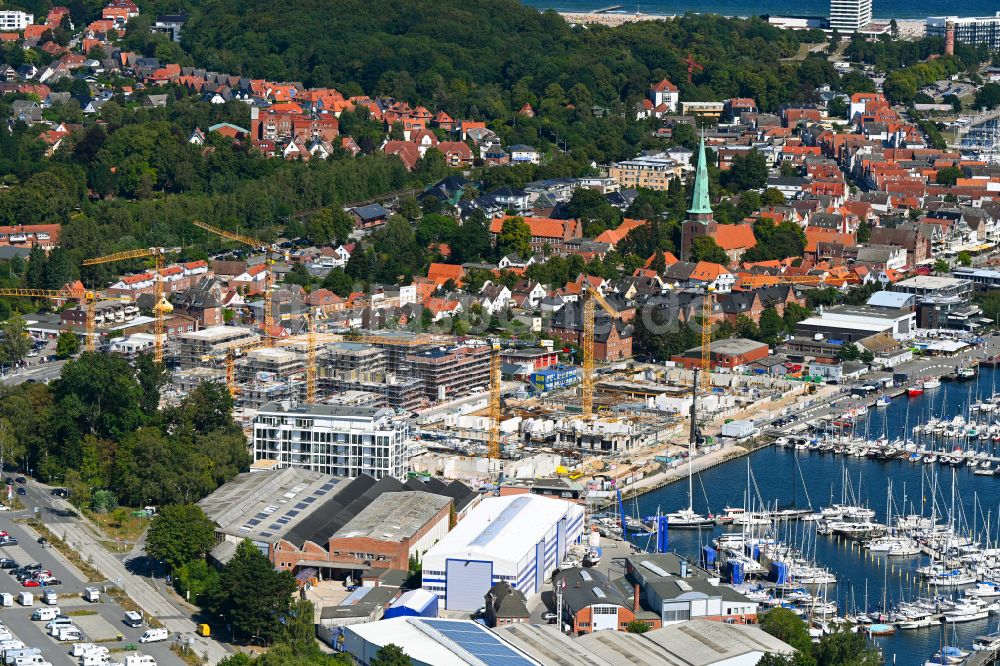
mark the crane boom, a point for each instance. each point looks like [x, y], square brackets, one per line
[706, 340]
[591, 298]
[161, 306]
[267, 248]
[755, 281]
[239, 238]
[495, 376]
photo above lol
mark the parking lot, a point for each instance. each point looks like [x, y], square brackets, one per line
[99, 622]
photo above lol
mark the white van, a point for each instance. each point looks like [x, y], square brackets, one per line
[80, 649]
[68, 633]
[95, 659]
[10, 655]
[139, 660]
[154, 635]
[11, 644]
[26, 599]
[92, 594]
[54, 625]
[30, 660]
[6, 599]
[50, 597]
[45, 614]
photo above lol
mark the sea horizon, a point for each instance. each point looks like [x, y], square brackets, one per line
[881, 9]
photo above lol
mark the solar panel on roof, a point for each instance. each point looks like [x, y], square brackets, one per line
[253, 522]
[309, 500]
[479, 642]
[301, 505]
[265, 534]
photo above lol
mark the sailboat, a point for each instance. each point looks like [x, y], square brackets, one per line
[687, 518]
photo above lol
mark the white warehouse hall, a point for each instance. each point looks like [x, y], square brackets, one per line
[520, 539]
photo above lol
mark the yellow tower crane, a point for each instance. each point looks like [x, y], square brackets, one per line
[161, 306]
[591, 298]
[86, 298]
[707, 303]
[756, 281]
[267, 249]
[495, 376]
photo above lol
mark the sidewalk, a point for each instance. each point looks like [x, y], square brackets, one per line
[138, 589]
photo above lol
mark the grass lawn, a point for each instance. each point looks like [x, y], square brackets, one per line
[119, 524]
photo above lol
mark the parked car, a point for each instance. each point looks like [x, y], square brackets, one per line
[8, 541]
[7, 563]
[21, 479]
[21, 491]
[30, 582]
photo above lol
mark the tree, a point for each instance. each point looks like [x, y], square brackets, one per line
[773, 197]
[67, 344]
[179, 534]
[747, 172]
[786, 626]
[948, 175]
[771, 325]
[103, 501]
[339, 282]
[472, 240]
[846, 648]
[964, 258]
[391, 655]
[636, 627]
[987, 97]
[704, 248]
[849, 352]
[515, 238]
[329, 225]
[941, 266]
[252, 594]
[15, 341]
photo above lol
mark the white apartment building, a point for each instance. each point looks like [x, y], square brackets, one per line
[14, 21]
[973, 30]
[850, 15]
[333, 439]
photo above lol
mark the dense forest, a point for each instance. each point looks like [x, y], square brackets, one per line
[134, 180]
[98, 429]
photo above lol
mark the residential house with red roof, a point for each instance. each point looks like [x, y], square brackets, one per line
[545, 232]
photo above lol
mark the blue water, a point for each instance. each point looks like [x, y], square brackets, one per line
[881, 8]
[779, 475]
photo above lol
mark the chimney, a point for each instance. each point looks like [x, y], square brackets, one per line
[949, 38]
[635, 599]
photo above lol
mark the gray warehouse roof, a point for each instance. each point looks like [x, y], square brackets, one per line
[394, 516]
[692, 643]
[262, 505]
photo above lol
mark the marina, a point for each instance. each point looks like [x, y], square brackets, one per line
[902, 543]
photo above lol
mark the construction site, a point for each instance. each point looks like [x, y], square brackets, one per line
[475, 412]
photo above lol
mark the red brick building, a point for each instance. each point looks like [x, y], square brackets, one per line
[730, 353]
[385, 534]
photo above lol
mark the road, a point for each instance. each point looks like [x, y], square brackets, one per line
[938, 366]
[61, 517]
[18, 618]
[43, 372]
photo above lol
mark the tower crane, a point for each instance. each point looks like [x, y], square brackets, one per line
[495, 375]
[161, 306]
[591, 298]
[756, 281]
[707, 307]
[267, 249]
[86, 298]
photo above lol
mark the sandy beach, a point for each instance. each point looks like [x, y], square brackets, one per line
[908, 28]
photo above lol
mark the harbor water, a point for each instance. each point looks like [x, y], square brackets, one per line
[803, 478]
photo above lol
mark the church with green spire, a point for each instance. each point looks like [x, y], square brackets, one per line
[699, 221]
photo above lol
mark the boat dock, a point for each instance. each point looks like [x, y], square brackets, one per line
[609, 8]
